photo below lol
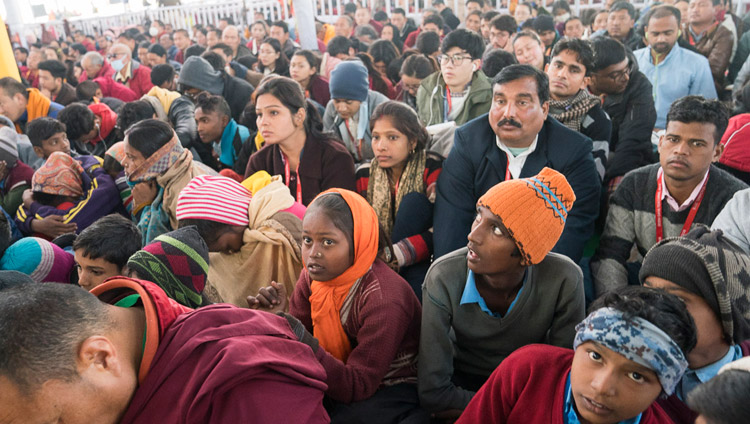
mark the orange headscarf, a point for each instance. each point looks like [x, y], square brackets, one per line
[36, 107]
[328, 297]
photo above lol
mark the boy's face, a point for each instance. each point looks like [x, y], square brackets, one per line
[57, 143]
[93, 272]
[607, 387]
[708, 330]
[490, 245]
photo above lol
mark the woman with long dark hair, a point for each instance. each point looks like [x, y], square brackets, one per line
[309, 159]
[271, 58]
[305, 69]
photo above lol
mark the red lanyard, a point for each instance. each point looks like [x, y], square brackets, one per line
[691, 215]
[287, 176]
[351, 136]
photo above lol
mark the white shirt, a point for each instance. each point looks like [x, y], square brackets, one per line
[515, 163]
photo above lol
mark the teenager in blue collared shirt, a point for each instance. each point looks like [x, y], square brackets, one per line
[710, 274]
[503, 291]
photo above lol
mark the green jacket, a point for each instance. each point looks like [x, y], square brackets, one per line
[431, 99]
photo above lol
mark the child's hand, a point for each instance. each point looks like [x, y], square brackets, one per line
[53, 226]
[270, 299]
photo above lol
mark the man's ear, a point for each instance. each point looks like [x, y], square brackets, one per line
[98, 354]
[545, 109]
[718, 150]
[586, 82]
[39, 152]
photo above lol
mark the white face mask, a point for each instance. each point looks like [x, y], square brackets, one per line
[562, 18]
[117, 65]
[154, 31]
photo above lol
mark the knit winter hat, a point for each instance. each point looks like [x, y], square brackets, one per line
[349, 80]
[176, 261]
[60, 175]
[39, 259]
[214, 198]
[543, 23]
[708, 264]
[8, 146]
[196, 72]
[534, 211]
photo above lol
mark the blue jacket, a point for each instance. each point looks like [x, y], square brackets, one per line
[476, 164]
[680, 74]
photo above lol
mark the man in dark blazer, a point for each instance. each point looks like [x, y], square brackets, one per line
[515, 140]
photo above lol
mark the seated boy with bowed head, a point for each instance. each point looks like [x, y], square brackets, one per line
[505, 290]
[627, 352]
[133, 355]
[102, 250]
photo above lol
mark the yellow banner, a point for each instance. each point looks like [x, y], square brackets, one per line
[8, 67]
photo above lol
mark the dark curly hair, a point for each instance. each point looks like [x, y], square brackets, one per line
[698, 109]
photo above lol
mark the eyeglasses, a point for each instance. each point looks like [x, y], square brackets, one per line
[619, 75]
[456, 59]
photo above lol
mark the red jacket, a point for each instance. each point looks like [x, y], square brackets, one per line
[140, 79]
[218, 364]
[736, 142]
[411, 39]
[529, 387]
[106, 71]
[112, 89]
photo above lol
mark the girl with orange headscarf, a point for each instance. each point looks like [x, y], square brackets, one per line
[364, 318]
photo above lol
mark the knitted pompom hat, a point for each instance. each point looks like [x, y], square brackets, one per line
[534, 211]
[41, 260]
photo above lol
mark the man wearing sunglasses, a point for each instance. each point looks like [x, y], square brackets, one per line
[674, 72]
[460, 91]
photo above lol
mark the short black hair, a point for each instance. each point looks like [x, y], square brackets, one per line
[161, 74]
[434, 19]
[227, 19]
[339, 45]
[662, 11]
[607, 52]
[527, 5]
[479, 2]
[41, 129]
[573, 18]
[560, 5]
[148, 136]
[86, 90]
[212, 103]
[158, 50]
[80, 48]
[113, 238]
[496, 60]
[427, 43]
[217, 62]
[54, 67]
[144, 45]
[282, 25]
[624, 5]
[194, 50]
[224, 48]
[464, 39]
[398, 10]
[488, 15]
[515, 72]
[11, 87]
[381, 16]
[505, 23]
[43, 326]
[418, 66]
[582, 49]
[690, 109]
[133, 112]
[23, 50]
[723, 399]
[350, 7]
[658, 307]
[78, 120]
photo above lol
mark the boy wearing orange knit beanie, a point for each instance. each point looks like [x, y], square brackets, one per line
[503, 291]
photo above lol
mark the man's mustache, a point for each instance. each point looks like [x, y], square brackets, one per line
[509, 121]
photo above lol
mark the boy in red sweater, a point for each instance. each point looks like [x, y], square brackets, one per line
[626, 353]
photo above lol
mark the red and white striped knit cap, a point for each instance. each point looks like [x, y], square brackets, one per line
[214, 198]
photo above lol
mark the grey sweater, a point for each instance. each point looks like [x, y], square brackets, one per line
[733, 221]
[631, 220]
[467, 339]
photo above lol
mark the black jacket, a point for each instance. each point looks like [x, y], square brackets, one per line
[181, 116]
[476, 164]
[633, 117]
[450, 18]
[237, 93]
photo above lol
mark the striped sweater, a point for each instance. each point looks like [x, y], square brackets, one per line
[631, 220]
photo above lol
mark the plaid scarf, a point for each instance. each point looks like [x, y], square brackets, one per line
[379, 193]
[159, 162]
[573, 109]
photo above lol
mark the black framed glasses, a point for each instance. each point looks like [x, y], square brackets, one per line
[456, 59]
[619, 75]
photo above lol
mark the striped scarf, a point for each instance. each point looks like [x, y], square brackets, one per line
[573, 109]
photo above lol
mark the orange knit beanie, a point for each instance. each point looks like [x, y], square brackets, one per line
[533, 210]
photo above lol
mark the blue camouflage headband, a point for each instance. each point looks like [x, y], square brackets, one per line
[636, 339]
